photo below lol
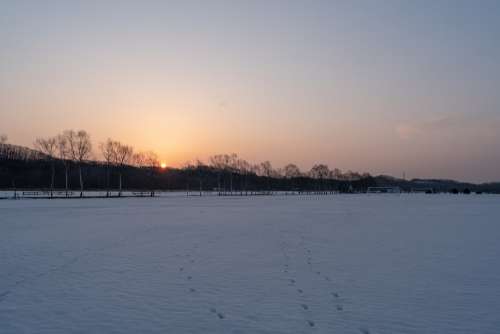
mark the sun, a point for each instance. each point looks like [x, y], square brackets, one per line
[163, 165]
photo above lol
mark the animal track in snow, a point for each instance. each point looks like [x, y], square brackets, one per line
[304, 306]
[220, 315]
[4, 294]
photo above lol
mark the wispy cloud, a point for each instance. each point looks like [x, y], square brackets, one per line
[486, 125]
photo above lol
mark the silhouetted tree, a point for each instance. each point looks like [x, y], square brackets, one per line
[80, 149]
[292, 171]
[108, 151]
[244, 168]
[122, 158]
[151, 162]
[139, 159]
[336, 174]
[266, 169]
[320, 172]
[231, 167]
[218, 163]
[63, 153]
[200, 168]
[48, 147]
[351, 176]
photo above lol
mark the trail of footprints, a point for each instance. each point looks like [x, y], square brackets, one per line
[185, 270]
[292, 282]
[335, 295]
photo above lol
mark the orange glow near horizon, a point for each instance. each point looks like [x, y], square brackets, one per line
[163, 165]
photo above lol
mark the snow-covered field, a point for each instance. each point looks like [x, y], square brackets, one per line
[283, 264]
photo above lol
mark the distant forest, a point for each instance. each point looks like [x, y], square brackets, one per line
[66, 161]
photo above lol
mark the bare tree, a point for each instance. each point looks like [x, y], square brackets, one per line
[255, 169]
[122, 157]
[48, 146]
[64, 155]
[320, 172]
[152, 163]
[244, 169]
[352, 176]
[139, 159]
[291, 171]
[108, 151]
[231, 161]
[151, 160]
[80, 149]
[200, 167]
[3, 139]
[217, 162]
[266, 170]
[148, 161]
[336, 174]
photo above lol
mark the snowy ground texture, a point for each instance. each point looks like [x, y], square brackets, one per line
[282, 264]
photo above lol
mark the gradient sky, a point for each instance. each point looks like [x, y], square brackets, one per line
[377, 86]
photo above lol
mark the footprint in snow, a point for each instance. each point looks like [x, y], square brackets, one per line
[300, 291]
[364, 330]
[181, 269]
[336, 295]
[304, 306]
[220, 315]
[192, 290]
[311, 323]
[340, 307]
[4, 294]
[318, 272]
[327, 278]
[190, 278]
[213, 310]
[292, 281]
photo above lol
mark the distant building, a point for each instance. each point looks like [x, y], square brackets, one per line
[384, 190]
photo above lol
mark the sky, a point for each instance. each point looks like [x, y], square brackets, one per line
[386, 87]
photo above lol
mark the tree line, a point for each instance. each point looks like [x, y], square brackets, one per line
[71, 153]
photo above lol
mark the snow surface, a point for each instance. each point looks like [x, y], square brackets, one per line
[281, 264]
